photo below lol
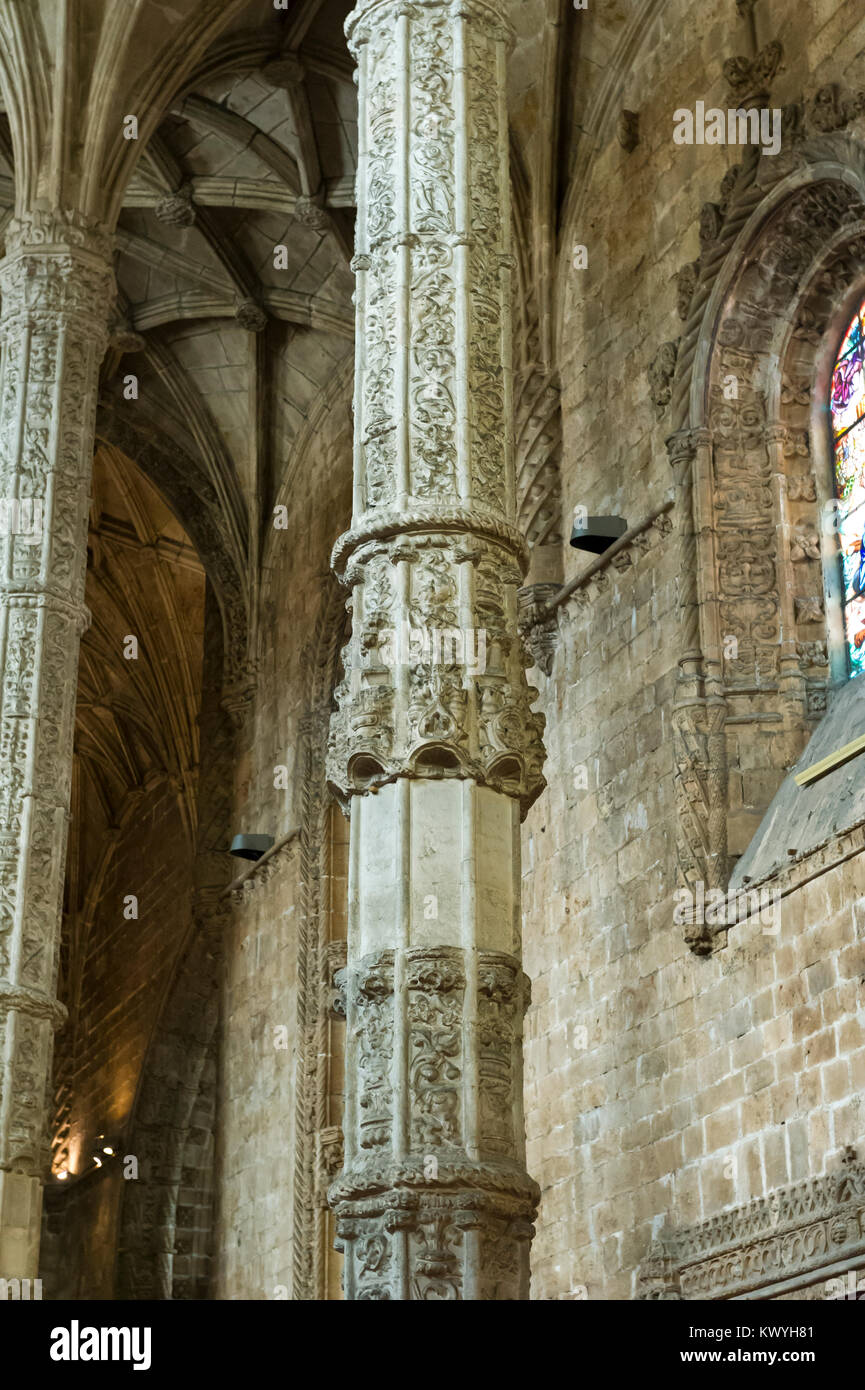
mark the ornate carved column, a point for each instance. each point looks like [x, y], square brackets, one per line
[434, 747]
[57, 287]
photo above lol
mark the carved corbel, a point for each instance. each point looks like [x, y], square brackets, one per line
[660, 373]
[177, 209]
[539, 629]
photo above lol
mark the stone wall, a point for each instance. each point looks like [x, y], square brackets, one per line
[697, 1084]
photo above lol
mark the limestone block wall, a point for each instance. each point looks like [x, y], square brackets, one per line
[696, 1084]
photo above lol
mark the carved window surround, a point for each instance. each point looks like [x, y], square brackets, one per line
[792, 1239]
[759, 631]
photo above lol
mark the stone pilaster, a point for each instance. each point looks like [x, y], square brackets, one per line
[435, 748]
[700, 710]
[57, 291]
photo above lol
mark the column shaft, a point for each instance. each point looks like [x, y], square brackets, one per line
[434, 749]
[57, 288]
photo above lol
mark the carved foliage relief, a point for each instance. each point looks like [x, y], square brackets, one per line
[418, 1217]
[433, 258]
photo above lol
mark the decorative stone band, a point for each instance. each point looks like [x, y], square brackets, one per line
[434, 682]
[539, 603]
[370, 17]
[818, 861]
[392, 524]
[434, 1201]
[794, 1238]
[47, 284]
[32, 594]
[58, 231]
[466, 1236]
[637, 537]
[33, 1003]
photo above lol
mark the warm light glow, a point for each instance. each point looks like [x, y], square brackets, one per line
[97, 1161]
[108, 1149]
[63, 1175]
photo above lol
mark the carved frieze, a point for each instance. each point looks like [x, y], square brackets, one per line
[790, 1236]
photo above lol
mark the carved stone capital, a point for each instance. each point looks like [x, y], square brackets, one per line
[57, 230]
[34, 1003]
[683, 445]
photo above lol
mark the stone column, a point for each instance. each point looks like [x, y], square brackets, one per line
[57, 289]
[434, 748]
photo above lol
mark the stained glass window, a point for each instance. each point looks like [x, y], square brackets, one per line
[848, 424]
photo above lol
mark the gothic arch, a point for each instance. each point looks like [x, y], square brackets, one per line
[758, 608]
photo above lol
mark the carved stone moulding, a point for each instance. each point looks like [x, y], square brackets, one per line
[391, 523]
[434, 680]
[793, 1238]
[47, 288]
[418, 1217]
[369, 768]
[33, 1002]
[58, 229]
[442, 995]
[372, 16]
[463, 1241]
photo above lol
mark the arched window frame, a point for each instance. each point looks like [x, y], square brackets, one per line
[753, 469]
